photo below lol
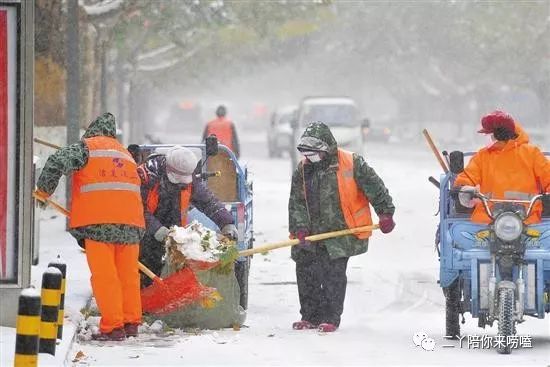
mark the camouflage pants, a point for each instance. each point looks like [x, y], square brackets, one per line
[321, 286]
[150, 254]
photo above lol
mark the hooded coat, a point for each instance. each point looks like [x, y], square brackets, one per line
[512, 169]
[322, 211]
[74, 157]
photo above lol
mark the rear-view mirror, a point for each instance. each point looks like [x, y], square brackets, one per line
[211, 145]
[456, 162]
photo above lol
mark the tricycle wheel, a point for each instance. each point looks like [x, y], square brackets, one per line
[241, 272]
[506, 324]
[452, 310]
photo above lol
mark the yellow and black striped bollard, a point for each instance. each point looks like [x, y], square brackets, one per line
[61, 314]
[27, 329]
[51, 292]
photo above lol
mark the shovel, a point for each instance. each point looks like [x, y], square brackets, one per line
[204, 265]
[312, 238]
[164, 295]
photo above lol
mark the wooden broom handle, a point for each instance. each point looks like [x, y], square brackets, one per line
[46, 143]
[148, 272]
[313, 238]
[435, 150]
[67, 213]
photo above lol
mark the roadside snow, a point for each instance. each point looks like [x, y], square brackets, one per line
[392, 293]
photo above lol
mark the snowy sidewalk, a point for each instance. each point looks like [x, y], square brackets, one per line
[55, 241]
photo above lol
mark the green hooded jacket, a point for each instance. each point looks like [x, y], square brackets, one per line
[74, 157]
[321, 177]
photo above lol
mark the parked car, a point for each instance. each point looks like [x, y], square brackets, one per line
[339, 113]
[376, 130]
[279, 133]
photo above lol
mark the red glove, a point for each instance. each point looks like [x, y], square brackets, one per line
[386, 223]
[301, 234]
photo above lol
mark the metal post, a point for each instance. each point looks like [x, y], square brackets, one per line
[51, 295]
[59, 264]
[28, 329]
[73, 81]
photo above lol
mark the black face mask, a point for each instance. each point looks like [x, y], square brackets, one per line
[174, 187]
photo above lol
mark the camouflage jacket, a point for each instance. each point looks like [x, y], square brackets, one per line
[73, 158]
[322, 211]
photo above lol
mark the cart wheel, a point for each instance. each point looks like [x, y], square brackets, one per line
[452, 310]
[506, 324]
[241, 272]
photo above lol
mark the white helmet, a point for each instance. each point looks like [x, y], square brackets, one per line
[180, 165]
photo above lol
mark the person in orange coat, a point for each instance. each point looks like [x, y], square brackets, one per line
[509, 168]
[106, 219]
[224, 129]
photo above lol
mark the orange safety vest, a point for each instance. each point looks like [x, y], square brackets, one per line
[185, 200]
[221, 127]
[107, 189]
[354, 203]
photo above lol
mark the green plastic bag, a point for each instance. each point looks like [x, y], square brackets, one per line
[226, 312]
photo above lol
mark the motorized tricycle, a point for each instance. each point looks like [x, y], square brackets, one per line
[497, 272]
[228, 179]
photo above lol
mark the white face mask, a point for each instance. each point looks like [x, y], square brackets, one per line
[312, 157]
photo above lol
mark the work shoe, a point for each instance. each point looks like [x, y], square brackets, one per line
[131, 330]
[116, 335]
[303, 325]
[327, 327]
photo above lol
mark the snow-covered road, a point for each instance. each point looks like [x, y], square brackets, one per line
[392, 291]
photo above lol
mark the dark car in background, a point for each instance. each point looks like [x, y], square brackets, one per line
[279, 133]
[377, 130]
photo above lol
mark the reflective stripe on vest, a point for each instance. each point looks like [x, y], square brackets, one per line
[107, 189]
[110, 153]
[185, 200]
[221, 127]
[106, 186]
[353, 202]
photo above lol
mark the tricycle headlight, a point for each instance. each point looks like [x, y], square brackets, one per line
[508, 227]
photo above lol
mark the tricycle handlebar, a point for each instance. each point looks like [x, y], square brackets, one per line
[485, 200]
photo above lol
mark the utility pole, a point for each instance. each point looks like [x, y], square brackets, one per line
[73, 81]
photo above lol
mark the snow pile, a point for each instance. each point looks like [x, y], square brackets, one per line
[196, 242]
[148, 331]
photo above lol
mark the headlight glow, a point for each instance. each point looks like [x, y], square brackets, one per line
[508, 227]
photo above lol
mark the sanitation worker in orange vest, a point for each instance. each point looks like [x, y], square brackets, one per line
[224, 129]
[332, 189]
[169, 186]
[106, 219]
[508, 168]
